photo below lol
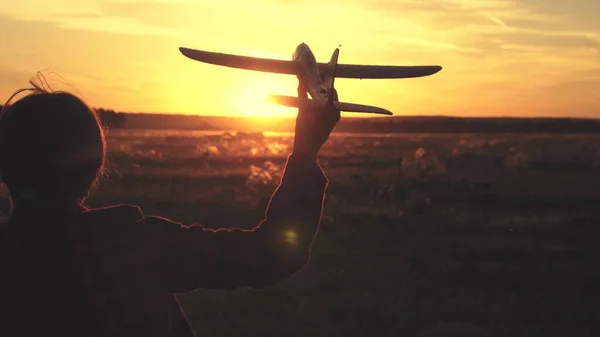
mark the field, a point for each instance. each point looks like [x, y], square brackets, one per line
[423, 234]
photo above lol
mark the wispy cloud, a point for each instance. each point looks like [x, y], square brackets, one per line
[494, 19]
[116, 25]
[97, 15]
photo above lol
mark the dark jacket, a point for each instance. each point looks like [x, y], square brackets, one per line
[124, 268]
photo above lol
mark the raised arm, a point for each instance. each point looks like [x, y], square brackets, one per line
[185, 258]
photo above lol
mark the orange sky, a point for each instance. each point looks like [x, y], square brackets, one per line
[500, 57]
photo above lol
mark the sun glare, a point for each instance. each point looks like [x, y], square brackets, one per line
[253, 96]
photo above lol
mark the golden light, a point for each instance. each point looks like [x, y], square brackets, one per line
[253, 96]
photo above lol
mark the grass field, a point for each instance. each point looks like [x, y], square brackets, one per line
[423, 235]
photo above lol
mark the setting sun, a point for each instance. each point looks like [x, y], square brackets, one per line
[253, 95]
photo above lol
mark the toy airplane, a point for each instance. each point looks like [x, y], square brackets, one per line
[317, 78]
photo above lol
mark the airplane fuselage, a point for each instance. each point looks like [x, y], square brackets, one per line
[309, 73]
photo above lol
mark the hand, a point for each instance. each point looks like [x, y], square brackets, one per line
[313, 125]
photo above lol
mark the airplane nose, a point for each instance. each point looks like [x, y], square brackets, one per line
[299, 49]
[302, 46]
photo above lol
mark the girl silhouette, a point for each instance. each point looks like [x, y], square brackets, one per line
[69, 270]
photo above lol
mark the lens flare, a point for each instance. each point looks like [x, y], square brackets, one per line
[290, 236]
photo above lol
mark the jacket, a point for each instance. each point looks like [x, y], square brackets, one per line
[120, 269]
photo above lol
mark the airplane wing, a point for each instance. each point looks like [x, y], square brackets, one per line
[372, 71]
[289, 67]
[241, 62]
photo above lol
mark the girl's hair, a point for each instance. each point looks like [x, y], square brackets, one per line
[52, 145]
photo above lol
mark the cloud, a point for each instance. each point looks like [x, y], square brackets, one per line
[171, 15]
[115, 25]
[457, 13]
[93, 15]
[494, 19]
[483, 23]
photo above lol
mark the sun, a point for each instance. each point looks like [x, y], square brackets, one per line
[253, 96]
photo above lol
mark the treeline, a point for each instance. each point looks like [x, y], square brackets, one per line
[412, 124]
[425, 124]
[469, 125]
[109, 118]
[112, 119]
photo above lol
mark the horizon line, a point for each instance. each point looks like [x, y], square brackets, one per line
[350, 117]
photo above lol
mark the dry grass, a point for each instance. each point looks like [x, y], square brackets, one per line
[423, 235]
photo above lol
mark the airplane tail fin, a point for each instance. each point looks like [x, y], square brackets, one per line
[329, 75]
[296, 102]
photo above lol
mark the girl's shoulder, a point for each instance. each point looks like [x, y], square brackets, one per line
[122, 213]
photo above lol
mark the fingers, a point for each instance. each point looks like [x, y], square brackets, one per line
[335, 95]
[336, 99]
[313, 112]
[302, 89]
[332, 112]
[333, 116]
[301, 92]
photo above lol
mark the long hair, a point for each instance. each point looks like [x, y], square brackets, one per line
[52, 145]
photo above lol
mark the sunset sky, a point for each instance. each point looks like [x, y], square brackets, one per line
[500, 57]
